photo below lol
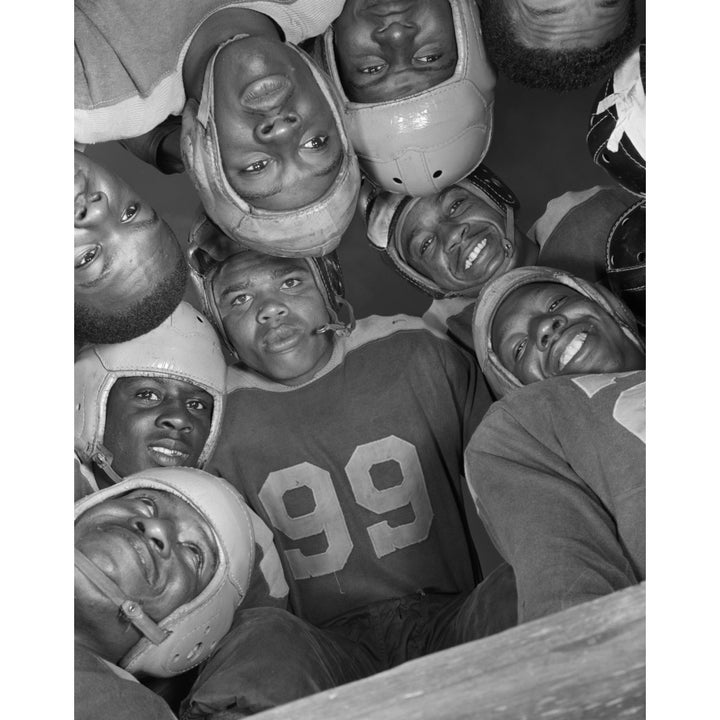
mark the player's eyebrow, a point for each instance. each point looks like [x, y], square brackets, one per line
[437, 67]
[284, 269]
[261, 195]
[334, 165]
[144, 224]
[277, 189]
[98, 280]
[544, 12]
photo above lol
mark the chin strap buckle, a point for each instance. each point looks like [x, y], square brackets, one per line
[336, 326]
[130, 609]
[103, 458]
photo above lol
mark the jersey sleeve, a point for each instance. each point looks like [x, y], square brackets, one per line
[469, 388]
[545, 519]
[267, 582]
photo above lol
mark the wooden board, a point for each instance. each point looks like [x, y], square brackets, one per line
[585, 662]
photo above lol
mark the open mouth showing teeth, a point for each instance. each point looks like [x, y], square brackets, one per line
[475, 253]
[572, 349]
[168, 456]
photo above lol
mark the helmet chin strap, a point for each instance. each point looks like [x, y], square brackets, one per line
[129, 609]
[103, 458]
[508, 244]
[339, 328]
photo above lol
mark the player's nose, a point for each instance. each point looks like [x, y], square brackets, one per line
[90, 208]
[174, 415]
[271, 308]
[396, 34]
[547, 328]
[157, 531]
[453, 235]
[277, 127]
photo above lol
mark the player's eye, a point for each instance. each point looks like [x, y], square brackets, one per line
[256, 166]
[87, 257]
[456, 206]
[198, 556]
[196, 405]
[426, 59]
[556, 303]
[241, 299]
[150, 504]
[519, 349]
[426, 244]
[130, 212]
[372, 69]
[316, 143]
[147, 395]
[291, 283]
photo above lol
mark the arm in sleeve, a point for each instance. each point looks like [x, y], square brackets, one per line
[268, 586]
[546, 521]
[160, 147]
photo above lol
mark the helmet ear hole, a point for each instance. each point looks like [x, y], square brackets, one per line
[437, 173]
[397, 180]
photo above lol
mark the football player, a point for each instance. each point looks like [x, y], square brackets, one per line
[348, 443]
[557, 471]
[162, 561]
[402, 71]
[130, 272]
[262, 138]
[451, 244]
[534, 323]
[156, 400]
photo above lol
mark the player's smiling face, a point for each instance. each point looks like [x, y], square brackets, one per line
[278, 139]
[388, 49]
[271, 310]
[121, 245]
[158, 549]
[545, 329]
[456, 239]
[156, 422]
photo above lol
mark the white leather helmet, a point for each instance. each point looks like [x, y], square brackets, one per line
[315, 228]
[189, 634]
[384, 214]
[420, 144]
[184, 347]
[500, 379]
[208, 247]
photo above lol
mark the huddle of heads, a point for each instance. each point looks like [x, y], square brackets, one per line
[273, 144]
[164, 557]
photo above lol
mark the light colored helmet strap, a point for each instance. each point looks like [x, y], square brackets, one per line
[336, 326]
[129, 609]
[103, 458]
[509, 229]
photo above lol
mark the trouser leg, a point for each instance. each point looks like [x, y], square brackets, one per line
[270, 657]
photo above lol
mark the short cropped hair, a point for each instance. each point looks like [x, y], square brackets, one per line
[93, 326]
[550, 69]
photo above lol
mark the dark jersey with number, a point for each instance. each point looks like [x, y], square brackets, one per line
[358, 472]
